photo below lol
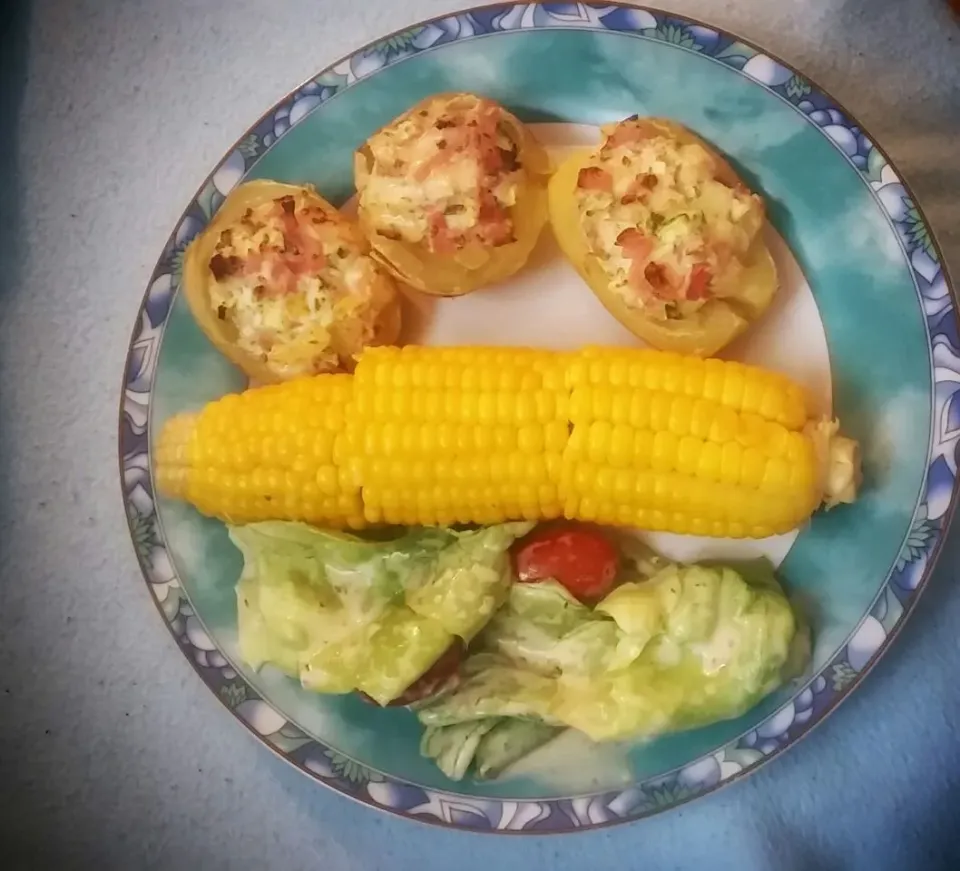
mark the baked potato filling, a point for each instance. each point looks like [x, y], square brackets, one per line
[284, 276]
[667, 232]
[446, 175]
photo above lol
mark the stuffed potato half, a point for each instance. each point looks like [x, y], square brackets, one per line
[284, 285]
[452, 194]
[666, 235]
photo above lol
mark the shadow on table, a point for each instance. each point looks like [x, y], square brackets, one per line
[14, 30]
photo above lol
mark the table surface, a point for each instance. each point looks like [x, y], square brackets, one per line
[112, 752]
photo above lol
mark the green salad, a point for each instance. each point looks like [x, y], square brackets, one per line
[345, 614]
[500, 638]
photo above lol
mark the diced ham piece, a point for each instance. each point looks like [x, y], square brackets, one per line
[628, 133]
[593, 178]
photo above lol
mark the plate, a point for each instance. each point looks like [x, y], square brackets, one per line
[865, 318]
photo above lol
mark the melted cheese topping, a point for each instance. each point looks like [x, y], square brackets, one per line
[445, 174]
[660, 222]
[284, 276]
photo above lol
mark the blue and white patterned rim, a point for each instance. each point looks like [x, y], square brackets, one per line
[838, 677]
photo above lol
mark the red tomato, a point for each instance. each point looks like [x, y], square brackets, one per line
[437, 677]
[579, 557]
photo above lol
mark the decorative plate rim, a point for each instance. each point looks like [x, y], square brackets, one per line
[812, 702]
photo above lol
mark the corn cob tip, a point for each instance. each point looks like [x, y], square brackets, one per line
[172, 466]
[841, 469]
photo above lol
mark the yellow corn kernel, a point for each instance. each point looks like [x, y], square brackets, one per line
[555, 436]
[555, 468]
[752, 464]
[681, 415]
[643, 449]
[598, 441]
[621, 445]
[653, 377]
[666, 446]
[660, 407]
[688, 455]
[530, 439]
[776, 475]
[714, 376]
[733, 383]
[581, 404]
[639, 415]
[723, 428]
[602, 406]
[620, 406]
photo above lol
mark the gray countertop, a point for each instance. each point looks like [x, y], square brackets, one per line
[113, 754]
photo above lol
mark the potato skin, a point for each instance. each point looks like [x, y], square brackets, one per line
[196, 278]
[475, 266]
[715, 324]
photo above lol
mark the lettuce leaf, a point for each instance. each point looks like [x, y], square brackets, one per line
[715, 645]
[464, 583]
[485, 747]
[345, 613]
[491, 687]
[690, 646]
[454, 747]
[546, 629]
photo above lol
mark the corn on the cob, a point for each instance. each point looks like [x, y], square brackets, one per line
[460, 435]
[266, 453]
[684, 445]
[456, 435]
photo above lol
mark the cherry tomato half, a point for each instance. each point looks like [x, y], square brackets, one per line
[442, 673]
[579, 557]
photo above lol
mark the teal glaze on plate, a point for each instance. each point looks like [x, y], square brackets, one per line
[874, 274]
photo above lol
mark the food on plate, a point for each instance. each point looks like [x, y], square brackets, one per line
[264, 454]
[583, 560]
[685, 647]
[344, 614]
[497, 633]
[438, 620]
[438, 436]
[666, 234]
[284, 285]
[452, 194]
[457, 435]
[485, 748]
[439, 677]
